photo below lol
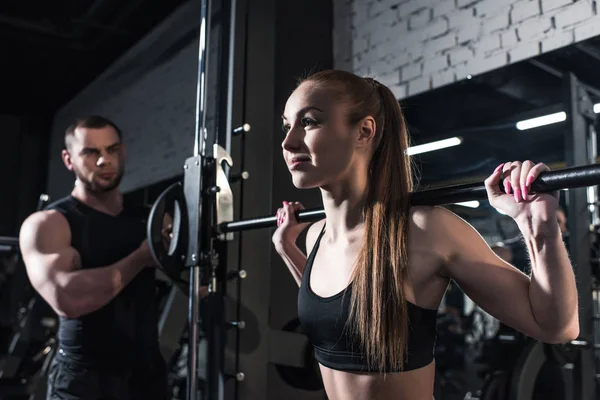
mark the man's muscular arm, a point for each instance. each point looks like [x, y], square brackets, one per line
[54, 267]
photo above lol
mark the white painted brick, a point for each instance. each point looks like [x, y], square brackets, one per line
[360, 44]
[461, 71]
[409, 7]
[588, 30]
[409, 44]
[378, 53]
[443, 7]
[465, 3]
[388, 79]
[435, 64]
[385, 34]
[487, 44]
[443, 78]
[558, 39]
[534, 29]
[382, 21]
[419, 85]
[460, 55]
[400, 91]
[496, 23]
[436, 28]
[383, 70]
[360, 12]
[411, 71]
[378, 7]
[397, 58]
[361, 70]
[460, 18]
[524, 50]
[549, 5]
[509, 38]
[525, 9]
[368, 57]
[419, 19]
[360, 63]
[490, 8]
[479, 66]
[440, 44]
[578, 12]
[468, 32]
[409, 41]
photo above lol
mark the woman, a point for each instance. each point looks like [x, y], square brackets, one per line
[378, 268]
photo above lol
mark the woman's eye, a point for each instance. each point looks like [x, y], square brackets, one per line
[308, 122]
[285, 128]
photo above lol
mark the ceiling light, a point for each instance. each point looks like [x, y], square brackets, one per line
[432, 146]
[597, 108]
[470, 204]
[541, 121]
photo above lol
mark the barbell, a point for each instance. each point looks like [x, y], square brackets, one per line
[172, 259]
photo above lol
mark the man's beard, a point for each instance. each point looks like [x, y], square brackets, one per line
[95, 188]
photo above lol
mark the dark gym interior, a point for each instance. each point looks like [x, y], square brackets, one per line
[136, 62]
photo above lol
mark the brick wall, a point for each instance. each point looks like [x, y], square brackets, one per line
[150, 92]
[417, 45]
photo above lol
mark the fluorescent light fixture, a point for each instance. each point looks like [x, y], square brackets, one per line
[597, 108]
[470, 204]
[541, 121]
[438, 145]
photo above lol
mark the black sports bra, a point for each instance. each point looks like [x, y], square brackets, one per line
[323, 320]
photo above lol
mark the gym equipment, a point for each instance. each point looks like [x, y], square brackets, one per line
[9, 244]
[202, 213]
[538, 360]
[568, 178]
[172, 201]
[305, 376]
[24, 368]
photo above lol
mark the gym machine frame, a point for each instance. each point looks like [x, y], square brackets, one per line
[581, 148]
[202, 211]
[583, 221]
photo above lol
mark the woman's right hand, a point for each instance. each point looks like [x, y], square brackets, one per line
[288, 228]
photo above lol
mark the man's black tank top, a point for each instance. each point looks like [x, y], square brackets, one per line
[126, 329]
[324, 321]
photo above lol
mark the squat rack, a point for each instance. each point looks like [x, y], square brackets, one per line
[202, 208]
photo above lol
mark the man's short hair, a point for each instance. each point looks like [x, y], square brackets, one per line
[92, 122]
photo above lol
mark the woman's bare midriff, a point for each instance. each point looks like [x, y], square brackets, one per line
[410, 385]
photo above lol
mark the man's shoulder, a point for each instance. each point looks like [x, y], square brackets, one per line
[63, 205]
[45, 220]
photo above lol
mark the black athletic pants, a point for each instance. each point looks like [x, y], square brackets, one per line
[69, 379]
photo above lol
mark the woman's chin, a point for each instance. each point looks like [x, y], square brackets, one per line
[303, 182]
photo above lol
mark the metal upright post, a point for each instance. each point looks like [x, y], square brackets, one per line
[193, 187]
[579, 110]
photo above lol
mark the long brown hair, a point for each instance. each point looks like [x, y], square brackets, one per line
[378, 312]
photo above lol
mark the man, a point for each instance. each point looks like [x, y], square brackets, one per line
[87, 256]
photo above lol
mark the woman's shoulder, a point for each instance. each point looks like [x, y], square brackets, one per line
[435, 220]
[424, 216]
[312, 234]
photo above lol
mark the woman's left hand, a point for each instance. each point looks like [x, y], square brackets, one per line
[515, 200]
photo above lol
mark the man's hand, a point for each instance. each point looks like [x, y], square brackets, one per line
[145, 255]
